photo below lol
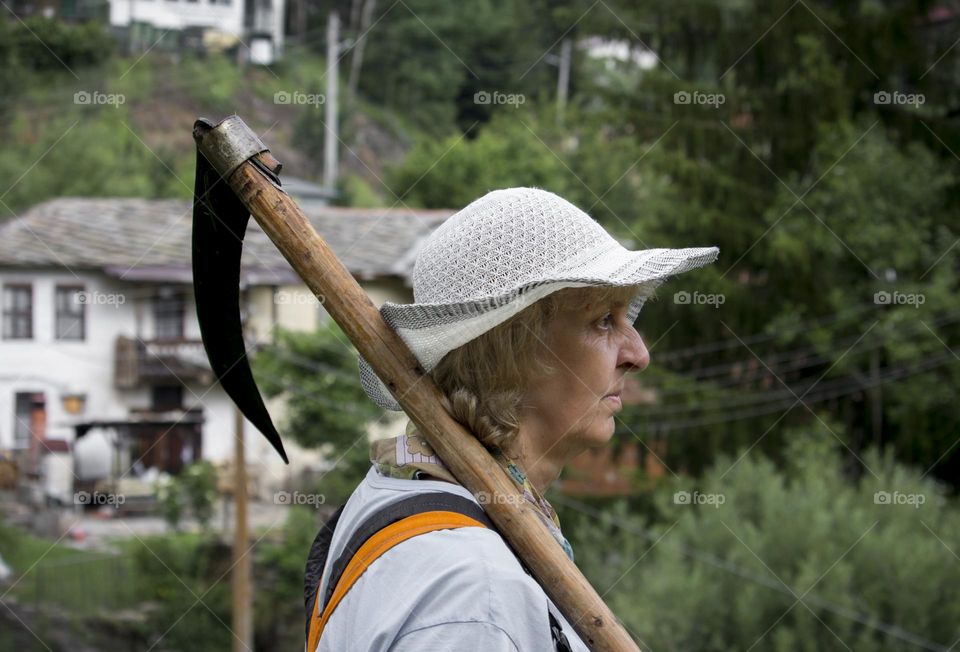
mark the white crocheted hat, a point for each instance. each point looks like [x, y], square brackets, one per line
[500, 254]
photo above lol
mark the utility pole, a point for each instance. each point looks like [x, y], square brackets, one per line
[301, 22]
[240, 578]
[356, 61]
[876, 398]
[563, 78]
[330, 104]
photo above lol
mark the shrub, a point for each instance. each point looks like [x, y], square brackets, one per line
[799, 559]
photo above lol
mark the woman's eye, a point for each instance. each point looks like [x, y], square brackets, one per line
[607, 321]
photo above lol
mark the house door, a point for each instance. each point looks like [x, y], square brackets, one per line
[30, 425]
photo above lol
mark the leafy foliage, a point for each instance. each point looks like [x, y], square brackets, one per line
[43, 44]
[454, 172]
[171, 501]
[199, 481]
[794, 560]
[186, 579]
[317, 374]
[280, 566]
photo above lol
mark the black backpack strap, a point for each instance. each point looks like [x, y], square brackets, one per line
[416, 504]
[560, 641]
[316, 560]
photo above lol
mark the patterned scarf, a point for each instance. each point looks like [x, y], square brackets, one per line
[410, 457]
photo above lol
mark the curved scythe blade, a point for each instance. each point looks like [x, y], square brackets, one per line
[219, 224]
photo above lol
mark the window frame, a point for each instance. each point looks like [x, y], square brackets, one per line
[170, 296]
[58, 312]
[10, 315]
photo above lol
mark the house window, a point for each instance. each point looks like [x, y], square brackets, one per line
[69, 309]
[17, 312]
[24, 405]
[168, 310]
[167, 397]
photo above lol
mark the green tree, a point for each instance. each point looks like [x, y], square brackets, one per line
[184, 579]
[114, 160]
[794, 559]
[427, 59]
[316, 374]
[199, 483]
[280, 566]
[455, 171]
[798, 116]
[171, 501]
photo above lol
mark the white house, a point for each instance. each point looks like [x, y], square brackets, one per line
[257, 25]
[618, 51]
[99, 330]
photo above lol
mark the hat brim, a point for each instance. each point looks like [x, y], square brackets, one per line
[433, 330]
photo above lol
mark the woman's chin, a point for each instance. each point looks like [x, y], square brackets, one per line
[602, 436]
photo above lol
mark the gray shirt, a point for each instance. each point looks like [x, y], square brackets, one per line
[460, 589]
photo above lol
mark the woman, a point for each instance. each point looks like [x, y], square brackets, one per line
[523, 315]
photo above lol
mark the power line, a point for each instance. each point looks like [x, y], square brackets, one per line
[802, 358]
[745, 398]
[731, 343]
[776, 405]
[789, 401]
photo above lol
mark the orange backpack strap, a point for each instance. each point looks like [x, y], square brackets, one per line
[394, 524]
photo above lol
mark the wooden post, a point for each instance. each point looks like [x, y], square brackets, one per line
[240, 577]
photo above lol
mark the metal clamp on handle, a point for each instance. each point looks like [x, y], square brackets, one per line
[229, 144]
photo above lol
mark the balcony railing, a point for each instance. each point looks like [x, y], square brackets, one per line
[153, 362]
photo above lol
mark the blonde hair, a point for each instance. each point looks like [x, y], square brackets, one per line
[485, 380]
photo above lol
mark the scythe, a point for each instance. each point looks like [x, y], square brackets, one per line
[238, 177]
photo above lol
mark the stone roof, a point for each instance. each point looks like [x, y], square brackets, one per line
[149, 239]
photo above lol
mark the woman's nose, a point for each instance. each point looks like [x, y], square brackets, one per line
[633, 354]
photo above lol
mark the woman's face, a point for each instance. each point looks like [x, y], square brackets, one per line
[591, 347]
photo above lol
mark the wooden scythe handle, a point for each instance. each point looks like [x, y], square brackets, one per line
[288, 228]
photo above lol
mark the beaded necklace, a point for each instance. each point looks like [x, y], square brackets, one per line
[410, 457]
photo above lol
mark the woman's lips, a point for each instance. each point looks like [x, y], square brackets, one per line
[615, 399]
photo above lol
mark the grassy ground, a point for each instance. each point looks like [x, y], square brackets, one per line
[50, 572]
